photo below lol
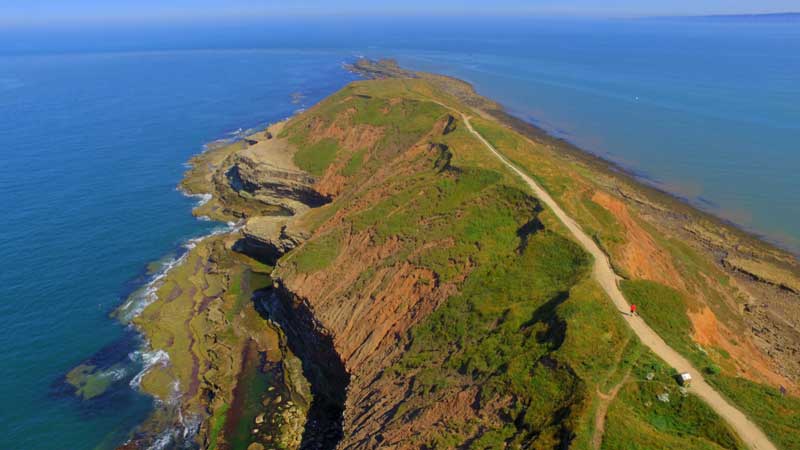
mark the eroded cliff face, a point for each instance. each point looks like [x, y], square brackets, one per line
[401, 271]
[255, 177]
[363, 287]
[406, 231]
[430, 299]
[249, 175]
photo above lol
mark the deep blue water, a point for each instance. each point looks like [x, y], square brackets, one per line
[95, 126]
[92, 149]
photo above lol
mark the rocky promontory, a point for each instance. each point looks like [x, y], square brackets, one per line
[388, 284]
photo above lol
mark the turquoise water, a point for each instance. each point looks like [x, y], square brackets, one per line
[95, 129]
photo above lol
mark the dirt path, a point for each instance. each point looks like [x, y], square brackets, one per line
[602, 409]
[750, 434]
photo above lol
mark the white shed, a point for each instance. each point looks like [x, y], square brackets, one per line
[684, 378]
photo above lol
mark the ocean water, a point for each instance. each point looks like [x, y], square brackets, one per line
[93, 146]
[708, 110]
[95, 126]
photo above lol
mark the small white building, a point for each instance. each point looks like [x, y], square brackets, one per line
[684, 378]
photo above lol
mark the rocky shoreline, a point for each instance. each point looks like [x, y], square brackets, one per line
[253, 183]
[266, 350]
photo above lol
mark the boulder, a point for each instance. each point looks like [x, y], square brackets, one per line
[268, 238]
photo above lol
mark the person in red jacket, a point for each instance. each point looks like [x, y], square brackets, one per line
[633, 309]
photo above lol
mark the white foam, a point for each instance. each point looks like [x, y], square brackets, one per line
[115, 374]
[137, 303]
[164, 440]
[181, 434]
[149, 360]
[142, 298]
[145, 296]
[202, 198]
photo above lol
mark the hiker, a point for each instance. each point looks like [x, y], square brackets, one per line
[633, 309]
[783, 391]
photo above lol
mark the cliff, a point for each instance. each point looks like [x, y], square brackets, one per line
[432, 301]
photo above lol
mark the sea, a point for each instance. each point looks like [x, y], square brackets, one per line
[97, 123]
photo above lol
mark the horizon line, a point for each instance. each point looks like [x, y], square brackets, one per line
[175, 17]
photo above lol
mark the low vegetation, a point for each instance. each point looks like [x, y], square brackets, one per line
[706, 285]
[527, 330]
[315, 158]
[317, 254]
[524, 338]
[652, 411]
[776, 413]
[500, 333]
[664, 309]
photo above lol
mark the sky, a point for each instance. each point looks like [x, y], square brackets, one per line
[24, 12]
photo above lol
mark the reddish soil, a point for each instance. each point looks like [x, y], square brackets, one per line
[750, 362]
[639, 256]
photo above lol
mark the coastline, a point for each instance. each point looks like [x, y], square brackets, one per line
[255, 385]
[597, 161]
[212, 206]
[645, 182]
[644, 193]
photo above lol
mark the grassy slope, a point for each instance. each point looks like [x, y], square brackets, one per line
[527, 327]
[664, 309]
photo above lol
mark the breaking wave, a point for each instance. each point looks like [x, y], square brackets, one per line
[148, 361]
[147, 294]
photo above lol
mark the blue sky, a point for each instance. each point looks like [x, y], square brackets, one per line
[22, 12]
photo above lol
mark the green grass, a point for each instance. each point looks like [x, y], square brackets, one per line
[526, 326]
[593, 322]
[317, 254]
[498, 332]
[315, 158]
[512, 146]
[468, 209]
[504, 322]
[662, 307]
[601, 225]
[777, 415]
[665, 310]
[354, 164]
[638, 420]
[408, 116]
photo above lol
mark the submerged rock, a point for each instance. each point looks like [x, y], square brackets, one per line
[89, 382]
